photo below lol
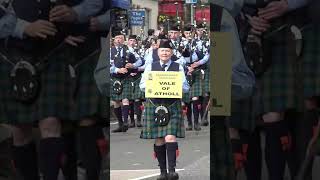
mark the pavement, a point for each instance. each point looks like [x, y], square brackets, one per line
[131, 157]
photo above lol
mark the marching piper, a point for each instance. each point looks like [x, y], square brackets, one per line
[137, 95]
[123, 63]
[165, 132]
[198, 67]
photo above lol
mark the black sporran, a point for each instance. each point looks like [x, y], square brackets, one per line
[162, 116]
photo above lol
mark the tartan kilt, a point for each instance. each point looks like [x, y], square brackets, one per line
[197, 89]
[175, 126]
[311, 63]
[136, 91]
[186, 97]
[206, 85]
[244, 112]
[88, 100]
[241, 115]
[126, 92]
[278, 82]
[57, 97]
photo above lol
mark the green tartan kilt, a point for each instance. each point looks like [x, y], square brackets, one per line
[88, 100]
[126, 92]
[175, 127]
[186, 97]
[206, 85]
[244, 112]
[197, 88]
[241, 115]
[311, 63]
[277, 83]
[57, 97]
[136, 91]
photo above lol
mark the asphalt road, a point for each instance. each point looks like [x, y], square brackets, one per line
[131, 157]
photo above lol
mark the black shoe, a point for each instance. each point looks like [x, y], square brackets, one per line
[132, 125]
[204, 123]
[197, 127]
[139, 124]
[125, 128]
[173, 176]
[163, 176]
[189, 128]
[119, 129]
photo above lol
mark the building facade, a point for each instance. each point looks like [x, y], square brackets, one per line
[150, 7]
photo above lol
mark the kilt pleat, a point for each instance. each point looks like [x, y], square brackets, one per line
[197, 89]
[136, 92]
[206, 85]
[186, 97]
[278, 82]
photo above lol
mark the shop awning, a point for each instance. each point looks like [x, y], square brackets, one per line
[124, 4]
[170, 9]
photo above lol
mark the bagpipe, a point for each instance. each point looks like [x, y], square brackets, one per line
[258, 48]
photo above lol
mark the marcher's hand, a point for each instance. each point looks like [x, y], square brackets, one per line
[129, 65]
[40, 28]
[94, 24]
[74, 40]
[122, 71]
[258, 24]
[190, 70]
[133, 74]
[62, 13]
[156, 33]
[273, 10]
[195, 64]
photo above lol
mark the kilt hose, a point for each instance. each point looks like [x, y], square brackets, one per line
[175, 127]
[221, 161]
[60, 96]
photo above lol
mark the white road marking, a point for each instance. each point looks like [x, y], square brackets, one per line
[152, 175]
[136, 164]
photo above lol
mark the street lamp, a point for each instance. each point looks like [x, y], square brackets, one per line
[193, 15]
[177, 10]
[168, 23]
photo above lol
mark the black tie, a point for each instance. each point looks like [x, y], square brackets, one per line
[163, 67]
